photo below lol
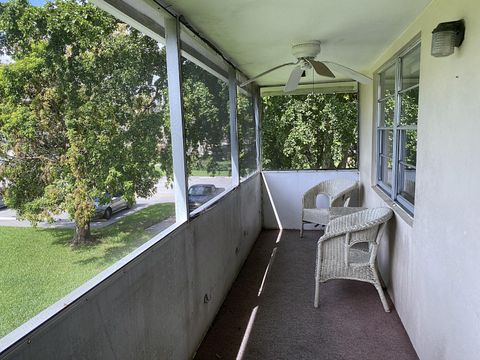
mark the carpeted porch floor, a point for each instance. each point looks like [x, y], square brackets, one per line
[269, 311]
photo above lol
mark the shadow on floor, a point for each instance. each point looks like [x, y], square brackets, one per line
[269, 311]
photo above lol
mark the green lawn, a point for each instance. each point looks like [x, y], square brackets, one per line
[224, 169]
[204, 172]
[38, 267]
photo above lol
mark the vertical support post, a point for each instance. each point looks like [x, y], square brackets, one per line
[232, 91]
[258, 121]
[174, 76]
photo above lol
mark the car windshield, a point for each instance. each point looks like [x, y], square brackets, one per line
[108, 198]
[200, 190]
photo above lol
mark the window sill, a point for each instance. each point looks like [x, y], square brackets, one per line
[249, 176]
[403, 214]
[212, 202]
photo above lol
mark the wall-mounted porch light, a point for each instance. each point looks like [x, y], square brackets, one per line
[446, 36]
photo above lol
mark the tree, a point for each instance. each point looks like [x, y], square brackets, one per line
[82, 110]
[84, 113]
[207, 121]
[314, 131]
[246, 134]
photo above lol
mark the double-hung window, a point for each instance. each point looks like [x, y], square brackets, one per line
[397, 114]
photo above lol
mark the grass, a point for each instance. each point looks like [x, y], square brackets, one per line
[224, 169]
[38, 266]
[203, 172]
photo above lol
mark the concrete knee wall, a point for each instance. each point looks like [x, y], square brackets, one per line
[160, 304]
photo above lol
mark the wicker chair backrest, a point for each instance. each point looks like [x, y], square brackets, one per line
[337, 190]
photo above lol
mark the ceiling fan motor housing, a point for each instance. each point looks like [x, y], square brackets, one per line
[306, 52]
[309, 49]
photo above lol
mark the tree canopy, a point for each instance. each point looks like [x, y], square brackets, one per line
[207, 119]
[314, 131]
[79, 111]
[84, 113]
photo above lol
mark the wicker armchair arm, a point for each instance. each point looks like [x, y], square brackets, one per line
[309, 200]
[358, 221]
[345, 194]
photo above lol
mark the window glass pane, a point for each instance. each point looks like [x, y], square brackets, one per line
[387, 110]
[207, 134]
[403, 132]
[246, 134]
[411, 68]
[87, 158]
[406, 186]
[386, 170]
[387, 82]
[314, 131]
[386, 142]
[408, 147]
[409, 107]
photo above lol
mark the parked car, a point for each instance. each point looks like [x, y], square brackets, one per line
[201, 193]
[116, 204]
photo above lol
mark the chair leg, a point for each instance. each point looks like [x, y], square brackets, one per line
[378, 286]
[301, 230]
[386, 307]
[317, 276]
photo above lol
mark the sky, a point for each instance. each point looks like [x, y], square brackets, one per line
[3, 58]
[33, 2]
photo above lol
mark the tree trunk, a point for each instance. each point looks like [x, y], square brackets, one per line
[82, 234]
[343, 162]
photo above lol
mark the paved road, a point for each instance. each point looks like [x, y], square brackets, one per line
[163, 194]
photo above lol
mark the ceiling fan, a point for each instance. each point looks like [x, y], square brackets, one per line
[305, 54]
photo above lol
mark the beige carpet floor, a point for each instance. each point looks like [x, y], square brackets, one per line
[269, 311]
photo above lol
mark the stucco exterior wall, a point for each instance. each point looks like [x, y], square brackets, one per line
[432, 266]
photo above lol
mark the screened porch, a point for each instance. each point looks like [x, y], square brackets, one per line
[226, 274]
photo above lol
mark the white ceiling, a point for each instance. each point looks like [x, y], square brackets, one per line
[258, 34]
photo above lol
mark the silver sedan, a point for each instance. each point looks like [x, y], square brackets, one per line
[116, 204]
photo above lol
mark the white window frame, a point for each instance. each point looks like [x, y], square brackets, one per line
[397, 129]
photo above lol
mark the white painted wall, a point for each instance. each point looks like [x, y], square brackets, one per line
[283, 192]
[433, 266]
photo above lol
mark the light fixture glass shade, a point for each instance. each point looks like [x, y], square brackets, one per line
[443, 43]
[446, 36]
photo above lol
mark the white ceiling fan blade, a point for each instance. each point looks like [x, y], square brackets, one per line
[266, 72]
[320, 68]
[294, 79]
[355, 75]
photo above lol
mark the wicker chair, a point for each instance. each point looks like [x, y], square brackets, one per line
[348, 249]
[338, 191]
